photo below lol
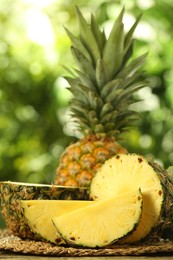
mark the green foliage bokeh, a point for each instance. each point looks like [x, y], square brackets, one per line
[34, 101]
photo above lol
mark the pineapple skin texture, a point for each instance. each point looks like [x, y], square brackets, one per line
[164, 227]
[81, 160]
[12, 192]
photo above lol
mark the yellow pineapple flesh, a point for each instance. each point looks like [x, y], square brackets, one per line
[39, 214]
[101, 223]
[123, 173]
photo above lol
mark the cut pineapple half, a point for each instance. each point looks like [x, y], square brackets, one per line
[40, 212]
[101, 223]
[124, 173]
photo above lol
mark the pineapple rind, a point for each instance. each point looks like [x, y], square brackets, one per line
[12, 192]
[81, 160]
[164, 227]
[102, 223]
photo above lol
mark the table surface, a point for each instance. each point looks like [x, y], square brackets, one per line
[7, 255]
[29, 257]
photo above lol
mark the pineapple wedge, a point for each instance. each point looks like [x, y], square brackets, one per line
[12, 192]
[40, 212]
[124, 173]
[102, 223]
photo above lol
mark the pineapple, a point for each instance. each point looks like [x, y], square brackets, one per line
[12, 192]
[123, 173]
[102, 89]
[39, 214]
[101, 223]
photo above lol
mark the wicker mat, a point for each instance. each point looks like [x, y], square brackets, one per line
[8, 242]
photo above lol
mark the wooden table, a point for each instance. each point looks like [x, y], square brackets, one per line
[9, 256]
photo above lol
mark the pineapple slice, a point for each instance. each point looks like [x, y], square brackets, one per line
[124, 173]
[12, 192]
[40, 212]
[101, 223]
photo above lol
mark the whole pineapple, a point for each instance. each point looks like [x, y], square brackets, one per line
[102, 92]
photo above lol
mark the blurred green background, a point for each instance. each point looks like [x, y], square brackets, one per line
[34, 101]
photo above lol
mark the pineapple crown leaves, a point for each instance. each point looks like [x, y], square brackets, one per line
[105, 80]
[114, 47]
[84, 30]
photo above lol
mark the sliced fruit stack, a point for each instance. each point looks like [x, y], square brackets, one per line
[86, 223]
[131, 199]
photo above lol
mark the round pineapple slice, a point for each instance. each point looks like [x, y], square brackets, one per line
[101, 223]
[124, 173]
[39, 214]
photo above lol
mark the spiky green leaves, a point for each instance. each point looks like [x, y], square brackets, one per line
[113, 49]
[105, 83]
[87, 37]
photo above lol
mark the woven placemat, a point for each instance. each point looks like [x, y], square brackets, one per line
[9, 242]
